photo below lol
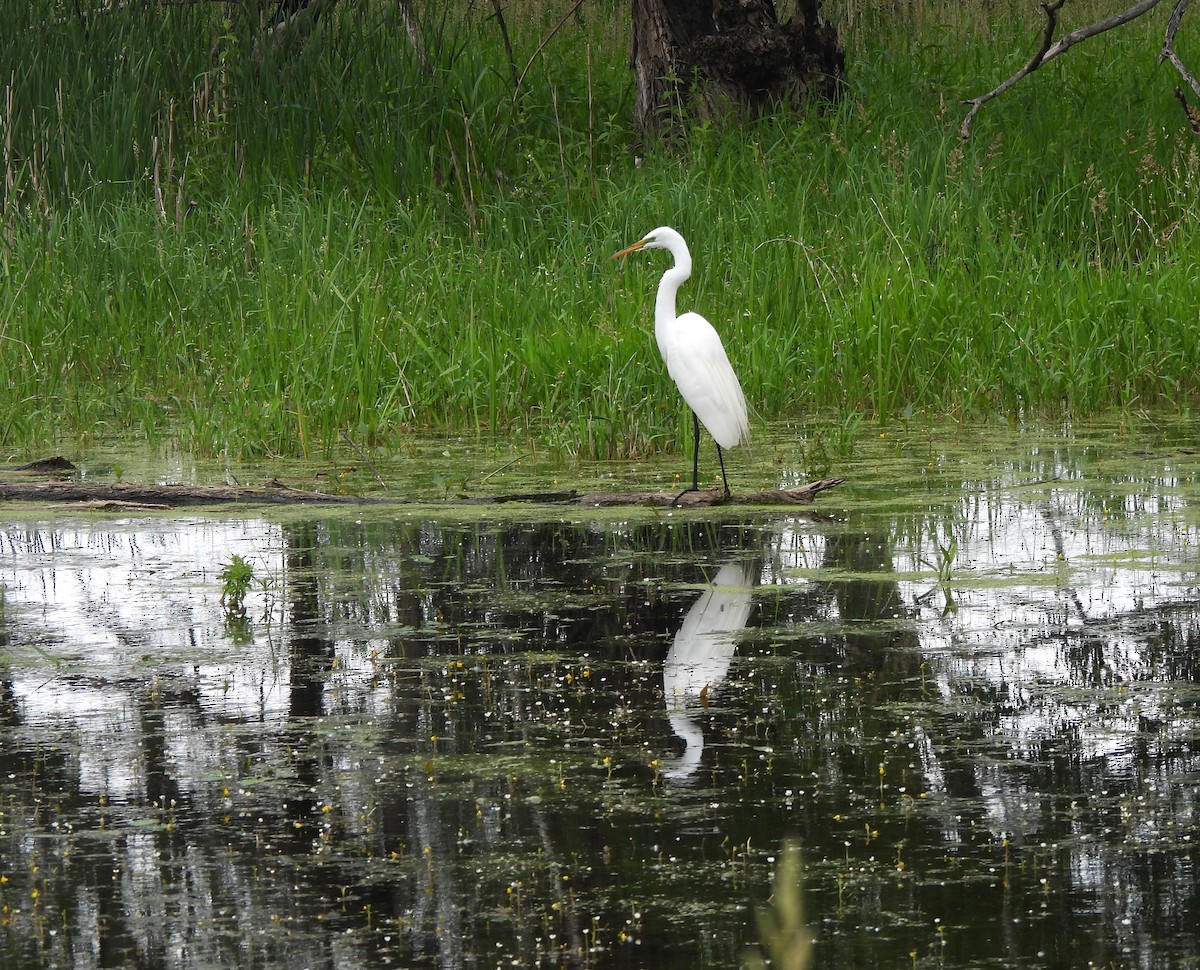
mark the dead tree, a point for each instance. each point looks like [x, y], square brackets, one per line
[1051, 48]
[706, 58]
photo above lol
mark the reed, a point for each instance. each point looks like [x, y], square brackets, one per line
[258, 254]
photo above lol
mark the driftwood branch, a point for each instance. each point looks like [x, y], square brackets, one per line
[1050, 49]
[126, 495]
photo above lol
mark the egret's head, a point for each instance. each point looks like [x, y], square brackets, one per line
[661, 238]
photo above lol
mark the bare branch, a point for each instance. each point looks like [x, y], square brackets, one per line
[545, 40]
[1050, 49]
[508, 48]
[1031, 65]
[1168, 53]
[1173, 27]
[1193, 116]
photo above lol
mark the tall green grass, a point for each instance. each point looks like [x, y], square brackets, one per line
[208, 241]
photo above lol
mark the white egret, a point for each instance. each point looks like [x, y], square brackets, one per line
[695, 357]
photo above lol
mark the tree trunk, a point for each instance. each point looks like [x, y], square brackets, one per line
[712, 57]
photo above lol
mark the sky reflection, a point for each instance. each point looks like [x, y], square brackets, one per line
[444, 742]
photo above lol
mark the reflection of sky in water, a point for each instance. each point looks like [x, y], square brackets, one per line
[116, 634]
[1030, 562]
[1033, 577]
[114, 603]
[103, 589]
[1020, 568]
[121, 595]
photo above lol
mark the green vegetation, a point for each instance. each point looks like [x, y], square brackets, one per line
[781, 927]
[211, 241]
[236, 576]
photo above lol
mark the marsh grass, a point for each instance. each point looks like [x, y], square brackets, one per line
[258, 254]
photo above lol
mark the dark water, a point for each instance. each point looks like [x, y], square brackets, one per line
[965, 684]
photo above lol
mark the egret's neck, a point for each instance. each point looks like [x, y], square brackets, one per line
[675, 277]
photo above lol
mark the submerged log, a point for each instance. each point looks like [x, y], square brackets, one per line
[125, 495]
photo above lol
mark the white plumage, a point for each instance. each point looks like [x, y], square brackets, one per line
[695, 356]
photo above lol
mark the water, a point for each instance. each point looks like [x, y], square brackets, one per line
[965, 683]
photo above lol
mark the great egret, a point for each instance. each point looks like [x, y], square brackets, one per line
[695, 357]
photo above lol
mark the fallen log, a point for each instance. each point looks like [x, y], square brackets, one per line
[122, 495]
[160, 496]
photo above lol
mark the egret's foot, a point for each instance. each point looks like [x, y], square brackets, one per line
[675, 500]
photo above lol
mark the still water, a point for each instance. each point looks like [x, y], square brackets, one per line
[965, 683]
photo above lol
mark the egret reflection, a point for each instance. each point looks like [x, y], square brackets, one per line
[699, 658]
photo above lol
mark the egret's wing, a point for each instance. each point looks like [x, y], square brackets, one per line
[697, 362]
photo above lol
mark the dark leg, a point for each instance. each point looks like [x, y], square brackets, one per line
[696, 453]
[721, 459]
[695, 460]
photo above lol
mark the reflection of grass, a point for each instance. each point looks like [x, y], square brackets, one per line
[944, 564]
[784, 938]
